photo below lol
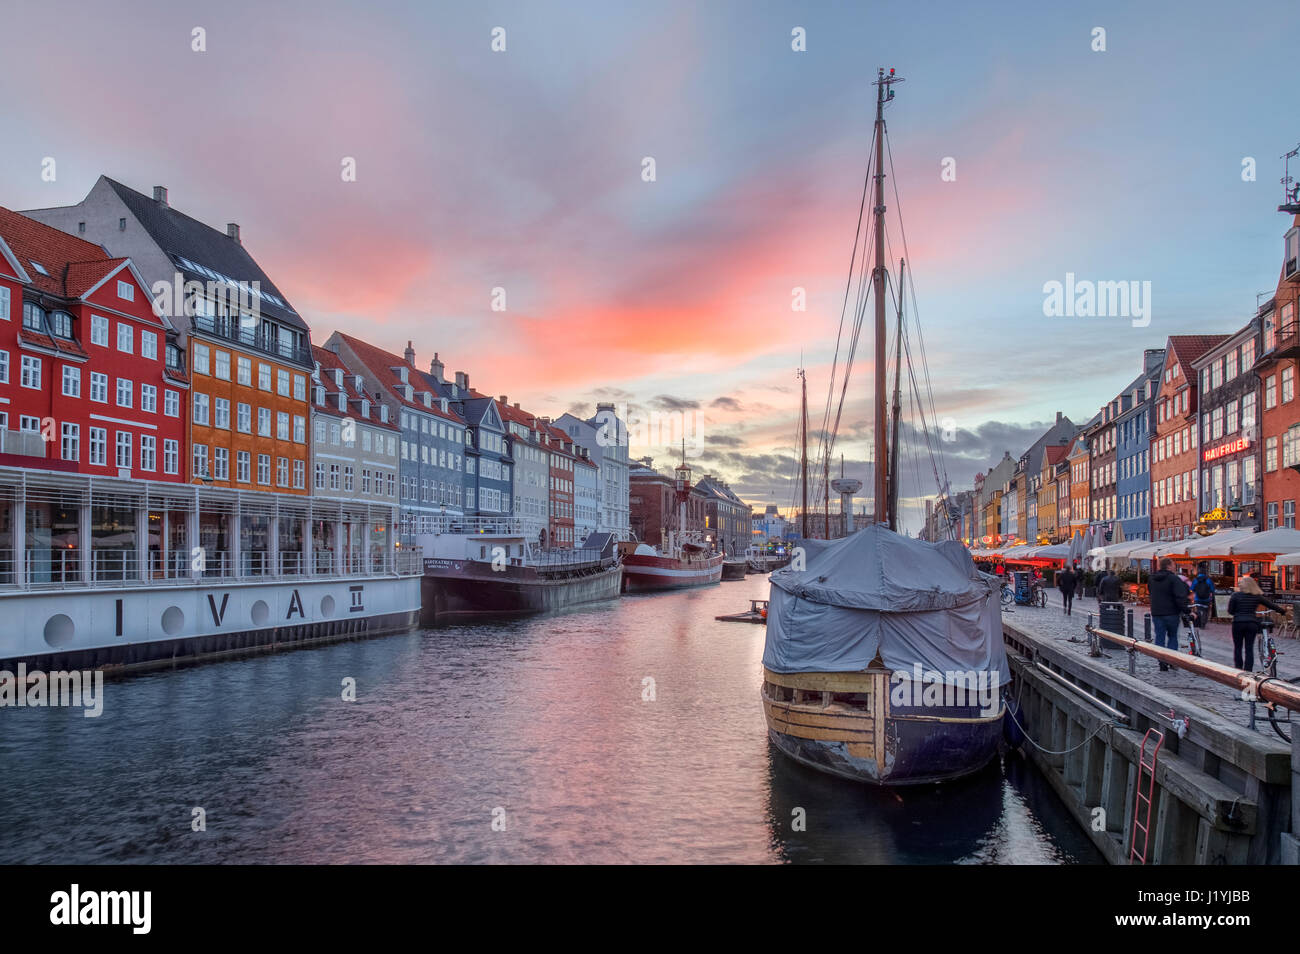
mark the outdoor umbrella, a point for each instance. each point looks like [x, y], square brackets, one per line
[1215, 546]
[1264, 546]
[1288, 559]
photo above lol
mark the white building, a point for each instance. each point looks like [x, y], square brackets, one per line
[606, 440]
[586, 497]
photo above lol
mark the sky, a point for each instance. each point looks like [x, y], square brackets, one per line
[523, 170]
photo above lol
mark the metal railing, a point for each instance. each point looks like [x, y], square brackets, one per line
[48, 566]
[560, 556]
[232, 329]
[113, 566]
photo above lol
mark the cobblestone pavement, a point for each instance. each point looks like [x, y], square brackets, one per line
[1069, 633]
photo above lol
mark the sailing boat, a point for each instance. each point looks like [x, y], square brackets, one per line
[884, 660]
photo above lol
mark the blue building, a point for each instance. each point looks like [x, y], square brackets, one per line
[1134, 428]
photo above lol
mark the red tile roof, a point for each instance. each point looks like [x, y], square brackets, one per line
[329, 363]
[1057, 453]
[73, 265]
[1187, 348]
[380, 364]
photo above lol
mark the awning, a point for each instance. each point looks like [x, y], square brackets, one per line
[1264, 546]
[1215, 546]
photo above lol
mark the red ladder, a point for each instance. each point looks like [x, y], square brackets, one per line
[1142, 820]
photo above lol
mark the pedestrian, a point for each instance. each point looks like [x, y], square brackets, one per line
[1109, 588]
[1245, 625]
[1066, 581]
[1169, 596]
[1203, 594]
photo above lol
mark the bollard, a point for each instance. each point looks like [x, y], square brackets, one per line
[1146, 626]
[1132, 662]
[1252, 714]
[1129, 625]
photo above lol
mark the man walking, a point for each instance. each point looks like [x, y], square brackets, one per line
[1168, 603]
[1066, 581]
[1109, 588]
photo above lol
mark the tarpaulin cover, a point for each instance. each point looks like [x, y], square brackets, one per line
[876, 591]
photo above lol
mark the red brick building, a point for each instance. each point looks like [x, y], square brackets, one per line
[563, 460]
[1174, 456]
[1278, 368]
[652, 504]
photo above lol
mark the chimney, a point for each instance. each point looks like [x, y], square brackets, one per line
[436, 368]
[232, 229]
[605, 406]
[505, 400]
[160, 194]
[516, 405]
[409, 354]
[1058, 417]
[462, 380]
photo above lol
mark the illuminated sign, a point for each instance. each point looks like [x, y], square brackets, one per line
[1214, 453]
[1218, 513]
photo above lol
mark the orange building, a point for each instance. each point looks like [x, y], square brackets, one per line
[1174, 460]
[1079, 460]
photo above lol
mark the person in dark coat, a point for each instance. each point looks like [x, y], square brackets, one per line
[1203, 594]
[1109, 588]
[1066, 581]
[1168, 603]
[1245, 625]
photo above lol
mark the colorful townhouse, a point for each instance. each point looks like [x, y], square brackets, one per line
[1174, 449]
[1278, 367]
[1134, 429]
[1229, 462]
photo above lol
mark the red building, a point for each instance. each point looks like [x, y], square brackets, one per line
[89, 378]
[563, 460]
[1278, 368]
[1174, 461]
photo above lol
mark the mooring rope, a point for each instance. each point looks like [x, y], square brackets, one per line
[1023, 731]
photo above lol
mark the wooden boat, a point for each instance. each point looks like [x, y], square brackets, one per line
[883, 660]
[757, 613]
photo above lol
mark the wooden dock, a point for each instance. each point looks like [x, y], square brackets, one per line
[1223, 793]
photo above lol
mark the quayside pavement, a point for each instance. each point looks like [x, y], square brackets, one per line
[1068, 633]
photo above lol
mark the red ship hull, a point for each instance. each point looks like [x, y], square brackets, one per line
[644, 572]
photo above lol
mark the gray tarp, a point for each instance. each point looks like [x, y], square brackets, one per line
[914, 602]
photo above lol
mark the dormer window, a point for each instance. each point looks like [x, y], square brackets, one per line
[358, 384]
[61, 324]
[442, 403]
[365, 408]
[320, 395]
[33, 317]
[343, 402]
[410, 392]
[383, 413]
[315, 375]
[401, 371]
[338, 378]
[428, 399]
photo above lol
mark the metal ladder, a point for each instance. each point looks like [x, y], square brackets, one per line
[1142, 820]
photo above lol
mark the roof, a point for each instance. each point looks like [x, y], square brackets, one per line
[330, 362]
[1187, 348]
[181, 237]
[379, 366]
[1057, 453]
[72, 265]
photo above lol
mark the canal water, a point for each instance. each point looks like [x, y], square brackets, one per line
[628, 731]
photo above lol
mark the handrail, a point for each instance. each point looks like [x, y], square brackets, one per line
[1264, 687]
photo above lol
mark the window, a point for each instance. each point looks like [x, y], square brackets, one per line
[99, 387]
[243, 467]
[1248, 413]
[149, 398]
[334, 476]
[148, 452]
[282, 425]
[320, 477]
[299, 474]
[202, 356]
[33, 317]
[245, 371]
[4, 367]
[99, 330]
[125, 392]
[1231, 426]
[1270, 392]
[124, 450]
[1288, 383]
[319, 431]
[71, 441]
[125, 290]
[1288, 514]
[1247, 355]
[201, 409]
[149, 345]
[282, 382]
[1248, 480]
[264, 376]
[334, 433]
[4, 303]
[1272, 516]
[124, 338]
[282, 471]
[223, 365]
[172, 403]
[264, 469]
[171, 456]
[299, 387]
[264, 422]
[221, 415]
[98, 445]
[1291, 446]
[71, 381]
[31, 373]
[61, 324]
[300, 429]
[220, 463]
[1270, 454]
[244, 420]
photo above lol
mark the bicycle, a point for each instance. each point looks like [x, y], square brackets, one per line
[1008, 594]
[1267, 647]
[1191, 619]
[1038, 595]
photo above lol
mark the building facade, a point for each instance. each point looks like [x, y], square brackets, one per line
[1174, 463]
[1229, 471]
[605, 437]
[1278, 368]
[1133, 435]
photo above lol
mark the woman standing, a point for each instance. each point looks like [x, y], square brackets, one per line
[1241, 607]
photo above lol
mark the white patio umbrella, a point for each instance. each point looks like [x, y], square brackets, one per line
[1288, 559]
[1270, 543]
[1216, 545]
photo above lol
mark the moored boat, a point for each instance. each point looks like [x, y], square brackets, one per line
[883, 660]
[734, 569]
[685, 559]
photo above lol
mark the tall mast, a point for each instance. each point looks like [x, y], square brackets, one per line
[803, 453]
[898, 406]
[884, 93]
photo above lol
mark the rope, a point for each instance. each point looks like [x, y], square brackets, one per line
[1023, 731]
